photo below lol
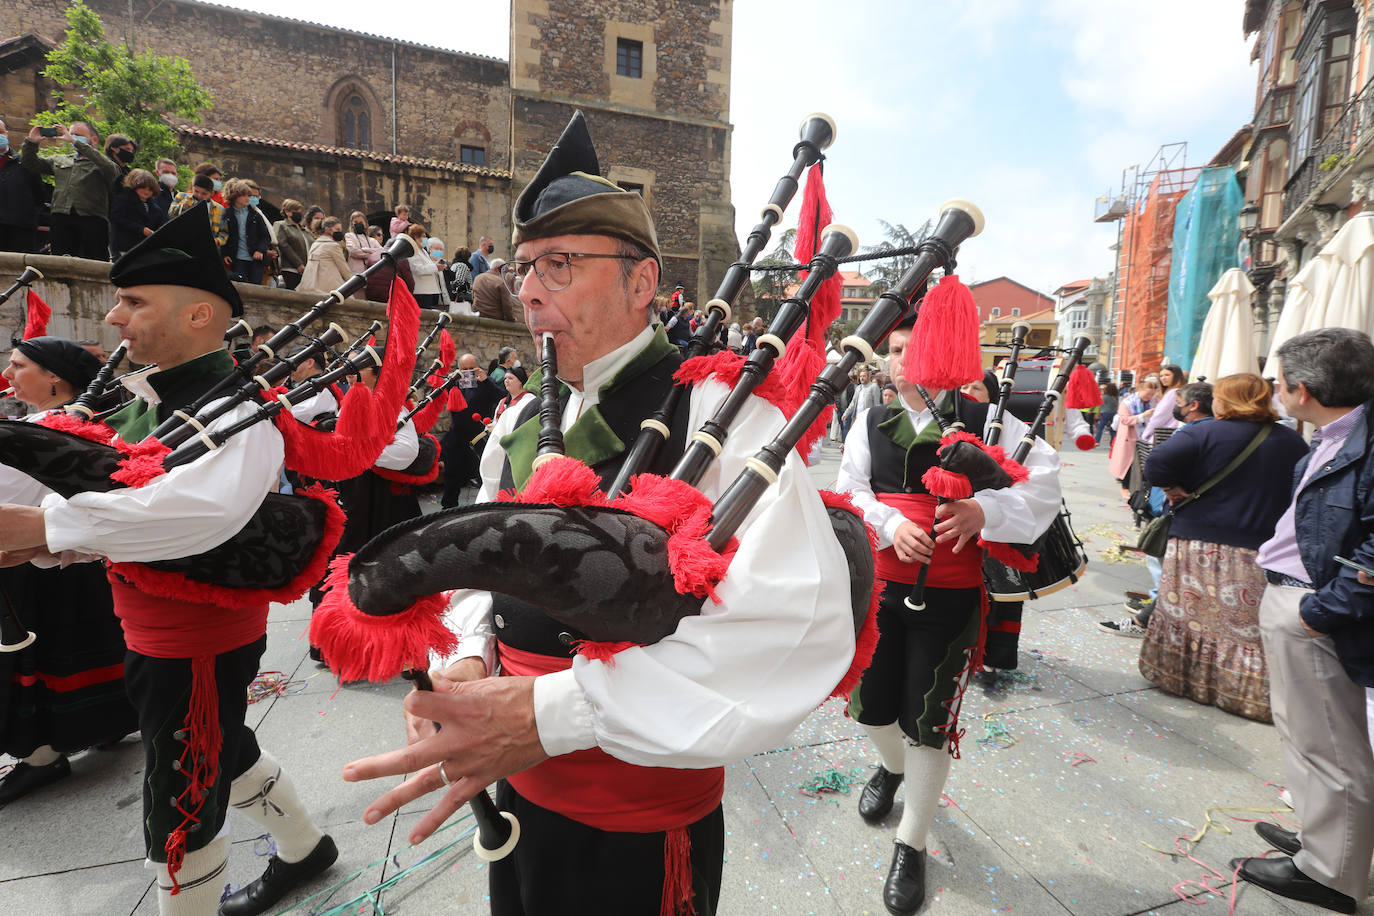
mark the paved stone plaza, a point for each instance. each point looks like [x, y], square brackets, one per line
[1070, 767]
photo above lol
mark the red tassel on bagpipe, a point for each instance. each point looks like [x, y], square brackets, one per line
[448, 351]
[1082, 392]
[364, 647]
[37, 315]
[944, 351]
[1086, 442]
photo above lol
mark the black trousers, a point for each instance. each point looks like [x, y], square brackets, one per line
[914, 678]
[160, 689]
[562, 866]
[81, 236]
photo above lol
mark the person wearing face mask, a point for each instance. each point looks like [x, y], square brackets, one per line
[327, 265]
[293, 242]
[1203, 639]
[21, 197]
[212, 172]
[167, 179]
[362, 249]
[478, 262]
[429, 288]
[121, 149]
[245, 249]
[81, 189]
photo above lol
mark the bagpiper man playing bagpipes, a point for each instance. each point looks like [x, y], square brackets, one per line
[908, 699]
[614, 767]
[189, 662]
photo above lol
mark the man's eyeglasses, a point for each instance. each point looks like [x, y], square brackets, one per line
[553, 267]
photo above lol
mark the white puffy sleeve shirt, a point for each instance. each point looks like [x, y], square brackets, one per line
[741, 676]
[187, 511]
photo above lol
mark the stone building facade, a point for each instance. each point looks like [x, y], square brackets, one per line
[350, 120]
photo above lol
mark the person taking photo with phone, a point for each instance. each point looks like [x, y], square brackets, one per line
[81, 188]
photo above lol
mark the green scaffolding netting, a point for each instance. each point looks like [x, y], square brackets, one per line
[1206, 245]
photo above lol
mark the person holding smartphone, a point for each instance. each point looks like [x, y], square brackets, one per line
[1317, 622]
[81, 188]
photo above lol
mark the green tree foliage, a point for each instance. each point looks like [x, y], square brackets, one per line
[884, 274]
[117, 91]
[769, 285]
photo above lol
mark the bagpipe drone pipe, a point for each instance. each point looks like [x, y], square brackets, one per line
[620, 570]
[1057, 559]
[285, 546]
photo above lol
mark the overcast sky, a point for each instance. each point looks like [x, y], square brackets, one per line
[1028, 108]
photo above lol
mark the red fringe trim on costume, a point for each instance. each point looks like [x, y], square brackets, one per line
[412, 480]
[675, 506]
[1082, 392]
[1086, 442]
[199, 761]
[946, 484]
[601, 651]
[677, 874]
[867, 639]
[1010, 556]
[177, 587]
[359, 646]
[1015, 470]
[141, 464]
[78, 426]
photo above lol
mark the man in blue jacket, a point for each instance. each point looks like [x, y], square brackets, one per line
[1317, 623]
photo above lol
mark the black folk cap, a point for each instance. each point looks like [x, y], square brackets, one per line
[568, 196]
[66, 359]
[180, 253]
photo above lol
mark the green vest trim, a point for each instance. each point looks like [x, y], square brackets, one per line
[590, 439]
[176, 388]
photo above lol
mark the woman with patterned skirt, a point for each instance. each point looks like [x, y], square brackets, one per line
[1203, 640]
[65, 691]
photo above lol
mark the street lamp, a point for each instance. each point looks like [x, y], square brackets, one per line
[1249, 218]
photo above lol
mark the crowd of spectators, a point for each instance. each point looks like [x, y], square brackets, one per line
[82, 198]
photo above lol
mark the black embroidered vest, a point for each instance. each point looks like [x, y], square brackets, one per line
[523, 626]
[897, 465]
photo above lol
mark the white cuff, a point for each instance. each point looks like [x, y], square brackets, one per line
[562, 715]
[479, 646]
[61, 530]
[992, 510]
[889, 532]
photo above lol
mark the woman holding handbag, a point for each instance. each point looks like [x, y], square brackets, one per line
[1228, 481]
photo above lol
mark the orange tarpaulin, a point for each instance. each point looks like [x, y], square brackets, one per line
[1145, 257]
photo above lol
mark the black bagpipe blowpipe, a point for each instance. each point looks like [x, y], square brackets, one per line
[86, 402]
[1019, 331]
[177, 428]
[836, 242]
[550, 412]
[1053, 392]
[240, 328]
[28, 275]
[817, 133]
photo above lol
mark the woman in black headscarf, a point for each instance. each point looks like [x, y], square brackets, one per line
[65, 691]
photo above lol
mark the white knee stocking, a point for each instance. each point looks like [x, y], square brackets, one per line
[266, 796]
[926, 771]
[200, 881]
[891, 745]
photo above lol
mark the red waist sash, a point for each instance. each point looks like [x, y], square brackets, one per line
[165, 628]
[947, 568]
[594, 788]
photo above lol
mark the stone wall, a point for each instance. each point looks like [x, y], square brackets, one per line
[79, 293]
[278, 77]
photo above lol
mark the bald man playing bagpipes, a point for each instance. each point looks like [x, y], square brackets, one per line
[933, 517]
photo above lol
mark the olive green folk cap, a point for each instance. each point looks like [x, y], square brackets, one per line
[568, 196]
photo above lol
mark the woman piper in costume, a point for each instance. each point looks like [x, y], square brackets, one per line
[65, 690]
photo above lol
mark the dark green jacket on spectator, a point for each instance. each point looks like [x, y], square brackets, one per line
[81, 184]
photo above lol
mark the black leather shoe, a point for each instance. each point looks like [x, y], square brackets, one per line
[1280, 876]
[1282, 840]
[905, 888]
[279, 880]
[876, 798]
[24, 779]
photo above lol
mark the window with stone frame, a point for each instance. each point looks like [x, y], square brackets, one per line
[629, 58]
[355, 122]
[472, 155]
